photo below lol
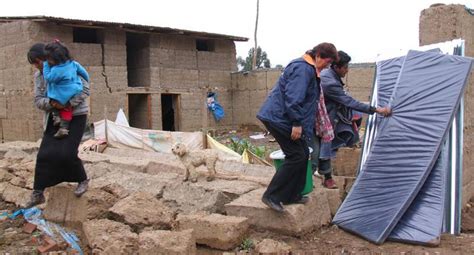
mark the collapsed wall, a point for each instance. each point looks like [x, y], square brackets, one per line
[441, 23]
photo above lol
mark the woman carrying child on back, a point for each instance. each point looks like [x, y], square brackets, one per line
[61, 73]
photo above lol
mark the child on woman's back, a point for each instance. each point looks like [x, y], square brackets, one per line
[62, 73]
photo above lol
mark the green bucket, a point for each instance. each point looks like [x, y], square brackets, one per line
[278, 157]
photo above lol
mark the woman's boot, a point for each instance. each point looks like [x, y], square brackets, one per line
[37, 197]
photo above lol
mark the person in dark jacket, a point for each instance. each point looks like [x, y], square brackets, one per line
[336, 100]
[289, 115]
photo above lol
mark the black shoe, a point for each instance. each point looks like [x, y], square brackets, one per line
[272, 204]
[37, 197]
[303, 200]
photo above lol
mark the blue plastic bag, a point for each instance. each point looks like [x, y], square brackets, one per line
[214, 106]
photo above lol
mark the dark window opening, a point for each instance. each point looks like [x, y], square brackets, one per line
[205, 45]
[170, 112]
[85, 35]
[138, 60]
[139, 110]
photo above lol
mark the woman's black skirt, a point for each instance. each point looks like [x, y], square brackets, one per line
[57, 159]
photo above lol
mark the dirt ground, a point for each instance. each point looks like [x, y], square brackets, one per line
[330, 240]
[12, 238]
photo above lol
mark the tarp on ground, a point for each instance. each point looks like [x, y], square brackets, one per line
[224, 151]
[145, 139]
[407, 145]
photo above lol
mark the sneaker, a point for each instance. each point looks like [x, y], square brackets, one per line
[81, 188]
[318, 175]
[272, 204]
[329, 184]
[37, 197]
[62, 132]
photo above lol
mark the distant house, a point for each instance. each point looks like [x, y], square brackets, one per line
[160, 76]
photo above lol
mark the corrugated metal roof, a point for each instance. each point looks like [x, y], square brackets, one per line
[122, 26]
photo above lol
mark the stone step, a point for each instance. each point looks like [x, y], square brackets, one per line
[215, 230]
[62, 206]
[296, 220]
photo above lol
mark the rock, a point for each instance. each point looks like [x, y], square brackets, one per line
[247, 169]
[171, 165]
[134, 181]
[232, 188]
[190, 197]
[116, 190]
[15, 155]
[13, 194]
[5, 176]
[142, 209]
[109, 237]
[64, 207]
[296, 220]
[270, 246]
[97, 170]
[18, 181]
[28, 147]
[166, 242]
[334, 199]
[215, 230]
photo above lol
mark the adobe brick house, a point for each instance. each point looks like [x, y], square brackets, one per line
[145, 70]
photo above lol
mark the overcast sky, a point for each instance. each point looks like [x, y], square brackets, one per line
[287, 28]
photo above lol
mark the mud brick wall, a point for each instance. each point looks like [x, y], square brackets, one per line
[359, 81]
[250, 89]
[448, 22]
[105, 62]
[18, 118]
[176, 67]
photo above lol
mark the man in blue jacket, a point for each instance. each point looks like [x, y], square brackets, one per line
[289, 115]
[337, 100]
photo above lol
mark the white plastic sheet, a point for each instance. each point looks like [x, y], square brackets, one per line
[150, 140]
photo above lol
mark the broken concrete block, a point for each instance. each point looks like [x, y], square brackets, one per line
[270, 246]
[18, 181]
[13, 194]
[142, 209]
[110, 237]
[191, 197]
[297, 219]
[334, 199]
[231, 188]
[167, 242]
[215, 230]
[5, 176]
[134, 181]
[64, 207]
[15, 154]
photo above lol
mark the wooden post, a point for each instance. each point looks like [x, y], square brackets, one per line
[105, 126]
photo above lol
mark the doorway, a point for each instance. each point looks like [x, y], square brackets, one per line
[170, 112]
[139, 111]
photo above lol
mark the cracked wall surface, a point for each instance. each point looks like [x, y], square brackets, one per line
[169, 64]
